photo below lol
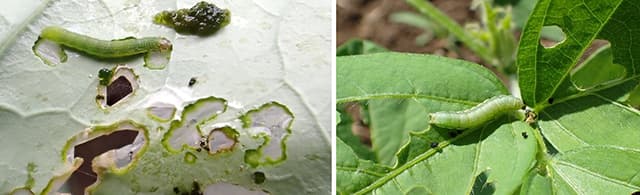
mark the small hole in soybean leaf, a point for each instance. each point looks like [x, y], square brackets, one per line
[550, 100]
[84, 175]
[118, 89]
[551, 36]
[258, 177]
[524, 135]
[176, 190]
[636, 193]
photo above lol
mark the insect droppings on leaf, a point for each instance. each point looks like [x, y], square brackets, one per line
[104, 76]
[258, 177]
[192, 81]
[195, 190]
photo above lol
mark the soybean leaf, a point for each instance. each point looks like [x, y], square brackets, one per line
[353, 173]
[544, 72]
[578, 123]
[595, 169]
[403, 88]
[344, 133]
[496, 154]
[357, 47]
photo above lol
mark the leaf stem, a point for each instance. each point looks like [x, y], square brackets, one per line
[434, 13]
[542, 157]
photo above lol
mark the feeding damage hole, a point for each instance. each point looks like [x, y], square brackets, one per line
[101, 149]
[115, 85]
[596, 67]
[160, 111]
[271, 121]
[227, 188]
[552, 36]
[186, 131]
[221, 139]
[49, 52]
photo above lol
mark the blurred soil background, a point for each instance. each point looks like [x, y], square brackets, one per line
[370, 20]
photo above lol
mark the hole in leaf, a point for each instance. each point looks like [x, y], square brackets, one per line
[551, 36]
[186, 131]
[49, 52]
[161, 111]
[100, 148]
[482, 185]
[85, 176]
[117, 90]
[596, 67]
[114, 88]
[222, 139]
[227, 188]
[271, 121]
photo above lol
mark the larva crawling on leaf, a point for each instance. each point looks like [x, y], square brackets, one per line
[107, 49]
[478, 115]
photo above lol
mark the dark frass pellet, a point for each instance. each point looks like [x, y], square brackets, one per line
[258, 177]
[202, 19]
[104, 75]
[192, 81]
[434, 144]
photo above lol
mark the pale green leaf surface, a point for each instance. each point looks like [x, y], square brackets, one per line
[543, 72]
[408, 87]
[402, 89]
[345, 134]
[353, 173]
[598, 69]
[357, 47]
[596, 119]
[597, 170]
[271, 51]
[498, 149]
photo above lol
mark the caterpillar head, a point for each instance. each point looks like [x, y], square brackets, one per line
[165, 44]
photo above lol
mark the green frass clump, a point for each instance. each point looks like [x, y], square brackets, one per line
[201, 19]
[104, 75]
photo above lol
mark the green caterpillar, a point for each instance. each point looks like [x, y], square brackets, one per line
[105, 49]
[478, 115]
